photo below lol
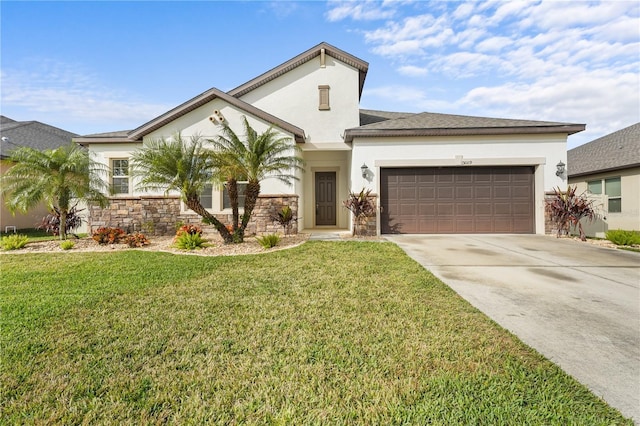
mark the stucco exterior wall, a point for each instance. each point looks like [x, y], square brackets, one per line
[294, 98]
[541, 151]
[629, 218]
[26, 220]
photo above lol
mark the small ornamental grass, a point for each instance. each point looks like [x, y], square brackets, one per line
[268, 241]
[623, 238]
[67, 245]
[14, 242]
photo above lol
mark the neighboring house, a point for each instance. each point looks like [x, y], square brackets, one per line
[431, 173]
[608, 169]
[33, 134]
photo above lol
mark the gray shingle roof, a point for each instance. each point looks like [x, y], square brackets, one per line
[369, 116]
[617, 150]
[380, 123]
[32, 134]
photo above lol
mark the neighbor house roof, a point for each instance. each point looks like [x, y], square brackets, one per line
[31, 134]
[615, 151]
[300, 59]
[180, 110]
[433, 124]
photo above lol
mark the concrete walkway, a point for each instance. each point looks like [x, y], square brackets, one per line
[576, 303]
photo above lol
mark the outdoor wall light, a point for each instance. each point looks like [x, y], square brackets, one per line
[560, 168]
[364, 169]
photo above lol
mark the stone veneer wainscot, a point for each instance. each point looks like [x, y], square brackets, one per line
[158, 215]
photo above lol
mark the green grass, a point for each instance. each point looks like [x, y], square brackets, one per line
[38, 234]
[326, 333]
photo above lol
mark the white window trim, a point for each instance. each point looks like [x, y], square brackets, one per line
[128, 176]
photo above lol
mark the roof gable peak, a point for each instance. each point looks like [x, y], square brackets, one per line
[300, 59]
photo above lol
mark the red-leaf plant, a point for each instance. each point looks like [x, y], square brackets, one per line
[568, 208]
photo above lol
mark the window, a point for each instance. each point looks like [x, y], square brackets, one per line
[120, 176]
[226, 202]
[206, 197]
[612, 189]
[594, 187]
[324, 98]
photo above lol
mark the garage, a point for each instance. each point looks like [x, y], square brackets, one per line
[457, 200]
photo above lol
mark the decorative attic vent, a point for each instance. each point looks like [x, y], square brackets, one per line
[323, 92]
[323, 59]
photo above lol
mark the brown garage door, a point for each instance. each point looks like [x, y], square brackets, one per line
[457, 200]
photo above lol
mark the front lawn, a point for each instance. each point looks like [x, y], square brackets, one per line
[326, 333]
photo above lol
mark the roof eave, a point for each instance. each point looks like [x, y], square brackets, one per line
[607, 170]
[197, 102]
[84, 141]
[569, 129]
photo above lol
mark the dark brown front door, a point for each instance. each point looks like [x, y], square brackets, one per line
[449, 200]
[325, 198]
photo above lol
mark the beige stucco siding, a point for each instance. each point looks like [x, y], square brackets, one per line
[194, 123]
[29, 219]
[629, 218]
[294, 97]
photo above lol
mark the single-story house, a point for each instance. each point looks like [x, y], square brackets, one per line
[608, 170]
[430, 173]
[15, 134]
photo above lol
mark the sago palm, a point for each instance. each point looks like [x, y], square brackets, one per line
[254, 158]
[176, 164]
[58, 177]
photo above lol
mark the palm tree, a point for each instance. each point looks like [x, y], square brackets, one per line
[175, 164]
[58, 177]
[257, 157]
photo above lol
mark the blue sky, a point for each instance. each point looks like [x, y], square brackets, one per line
[91, 67]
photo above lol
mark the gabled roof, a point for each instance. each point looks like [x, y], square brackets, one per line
[615, 151]
[190, 105]
[31, 134]
[433, 124]
[295, 62]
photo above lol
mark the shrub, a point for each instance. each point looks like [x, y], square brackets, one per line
[14, 242]
[362, 207]
[67, 245]
[136, 239]
[285, 219]
[51, 222]
[187, 241]
[189, 229]
[106, 235]
[567, 209]
[623, 238]
[269, 240]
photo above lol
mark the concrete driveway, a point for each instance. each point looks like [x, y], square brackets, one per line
[576, 303]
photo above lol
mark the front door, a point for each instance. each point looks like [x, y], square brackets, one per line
[325, 198]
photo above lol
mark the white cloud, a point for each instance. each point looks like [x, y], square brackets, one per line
[561, 61]
[71, 92]
[361, 10]
[412, 71]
